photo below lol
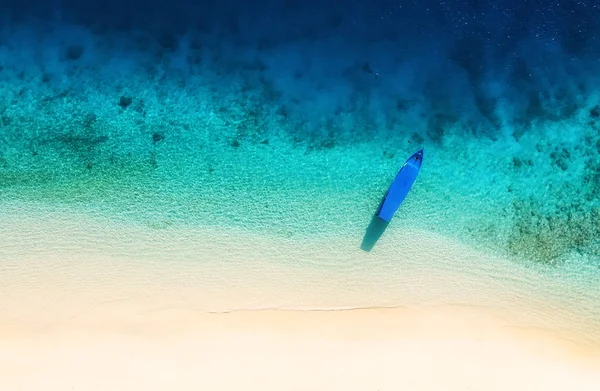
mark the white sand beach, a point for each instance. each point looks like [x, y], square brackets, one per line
[396, 349]
[89, 305]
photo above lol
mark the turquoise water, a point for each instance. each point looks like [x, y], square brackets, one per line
[212, 150]
[273, 138]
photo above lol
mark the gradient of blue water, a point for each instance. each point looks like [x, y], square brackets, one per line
[292, 117]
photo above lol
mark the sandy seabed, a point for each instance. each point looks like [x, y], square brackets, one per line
[89, 306]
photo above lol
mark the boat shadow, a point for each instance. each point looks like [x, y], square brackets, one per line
[374, 231]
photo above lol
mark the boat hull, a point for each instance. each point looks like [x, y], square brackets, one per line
[400, 187]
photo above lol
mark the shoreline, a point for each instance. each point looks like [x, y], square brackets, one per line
[62, 264]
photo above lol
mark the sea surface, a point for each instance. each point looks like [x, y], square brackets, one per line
[286, 121]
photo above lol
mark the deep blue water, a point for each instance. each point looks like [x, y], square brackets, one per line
[283, 114]
[465, 59]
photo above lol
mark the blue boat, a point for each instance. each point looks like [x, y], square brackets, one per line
[402, 184]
